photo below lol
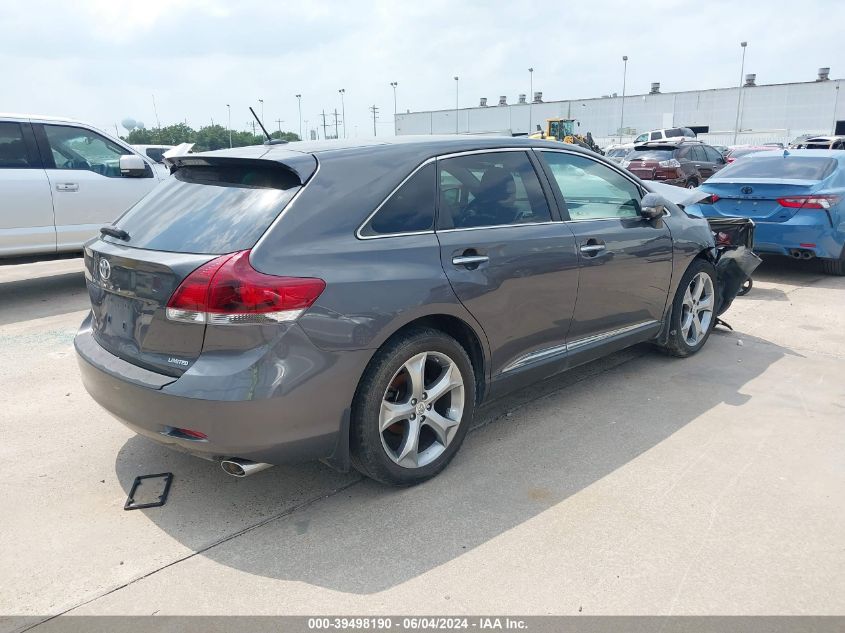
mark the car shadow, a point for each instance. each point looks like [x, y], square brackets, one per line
[528, 452]
[43, 297]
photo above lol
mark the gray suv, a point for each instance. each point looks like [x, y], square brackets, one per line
[355, 302]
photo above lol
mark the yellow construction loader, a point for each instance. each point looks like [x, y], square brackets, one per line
[563, 130]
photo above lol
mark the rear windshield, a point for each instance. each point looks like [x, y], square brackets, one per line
[779, 166]
[617, 152]
[651, 154]
[209, 209]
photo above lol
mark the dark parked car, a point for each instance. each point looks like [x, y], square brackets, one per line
[735, 153]
[354, 303]
[683, 164]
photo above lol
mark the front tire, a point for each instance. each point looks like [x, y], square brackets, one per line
[413, 408]
[693, 310]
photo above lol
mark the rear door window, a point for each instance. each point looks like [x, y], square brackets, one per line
[13, 150]
[210, 209]
[489, 189]
[410, 209]
[656, 136]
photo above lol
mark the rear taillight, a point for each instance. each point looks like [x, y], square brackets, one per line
[809, 202]
[709, 199]
[730, 159]
[228, 290]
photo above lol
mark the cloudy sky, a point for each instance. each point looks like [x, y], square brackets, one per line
[103, 60]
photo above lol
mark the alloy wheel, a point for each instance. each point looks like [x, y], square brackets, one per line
[421, 409]
[698, 304]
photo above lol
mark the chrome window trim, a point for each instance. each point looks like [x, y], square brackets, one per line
[360, 228]
[497, 226]
[288, 205]
[551, 352]
[486, 150]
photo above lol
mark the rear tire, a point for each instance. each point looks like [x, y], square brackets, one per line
[693, 310]
[413, 408]
[691, 183]
[834, 266]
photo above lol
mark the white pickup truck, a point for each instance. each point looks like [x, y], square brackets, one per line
[61, 180]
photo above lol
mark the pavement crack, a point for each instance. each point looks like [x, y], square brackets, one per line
[225, 539]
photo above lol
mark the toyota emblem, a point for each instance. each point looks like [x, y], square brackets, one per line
[746, 190]
[105, 269]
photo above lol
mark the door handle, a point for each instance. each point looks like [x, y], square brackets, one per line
[67, 186]
[592, 247]
[470, 260]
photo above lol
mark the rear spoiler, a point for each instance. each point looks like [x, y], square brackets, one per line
[299, 164]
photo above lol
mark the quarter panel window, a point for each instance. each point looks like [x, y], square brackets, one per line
[409, 209]
[78, 148]
[13, 153]
[591, 190]
[489, 189]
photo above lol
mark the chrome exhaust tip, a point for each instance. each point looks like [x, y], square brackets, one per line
[242, 467]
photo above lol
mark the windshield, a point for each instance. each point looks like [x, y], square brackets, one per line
[780, 167]
[210, 209]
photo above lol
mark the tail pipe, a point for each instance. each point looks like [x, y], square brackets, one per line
[800, 253]
[242, 467]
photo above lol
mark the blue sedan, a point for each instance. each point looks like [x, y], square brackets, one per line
[796, 198]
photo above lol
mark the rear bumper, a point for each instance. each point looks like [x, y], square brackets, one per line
[782, 237]
[303, 418]
[806, 230]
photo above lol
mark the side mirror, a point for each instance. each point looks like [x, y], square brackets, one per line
[652, 206]
[132, 166]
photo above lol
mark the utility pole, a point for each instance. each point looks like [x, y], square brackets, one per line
[456, 104]
[739, 92]
[624, 80]
[374, 110]
[230, 125]
[299, 101]
[280, 121]
[158, 123]
[307, 131]
[261, 101]
[342, 92]
[336, 132]
[393, 85]
[531, 102]
[325, 135]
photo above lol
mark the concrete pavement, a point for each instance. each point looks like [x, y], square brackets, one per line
[639, 484]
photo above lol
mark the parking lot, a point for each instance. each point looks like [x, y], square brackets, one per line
[639, 484]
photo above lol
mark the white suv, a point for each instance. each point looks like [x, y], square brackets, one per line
[671, 133]
[61, 180]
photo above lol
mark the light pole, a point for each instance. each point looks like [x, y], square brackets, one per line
[342, 92]
[299, 101]
[624, 80]
[530, 103]
[456, 104]
[229, 125]
[306, 129]
[739, 92]
[393, 85]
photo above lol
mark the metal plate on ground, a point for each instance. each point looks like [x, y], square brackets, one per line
[149, 491]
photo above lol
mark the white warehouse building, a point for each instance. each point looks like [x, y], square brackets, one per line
[767, 113]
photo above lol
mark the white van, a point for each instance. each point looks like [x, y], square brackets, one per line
[666, 134]
[61, 180]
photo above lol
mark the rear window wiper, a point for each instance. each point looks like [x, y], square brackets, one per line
[113, 231]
